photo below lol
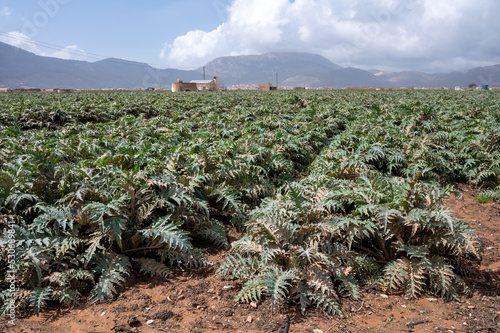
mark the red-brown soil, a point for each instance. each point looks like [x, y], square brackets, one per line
[196, 301]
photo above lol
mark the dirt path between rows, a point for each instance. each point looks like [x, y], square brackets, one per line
[196, 301]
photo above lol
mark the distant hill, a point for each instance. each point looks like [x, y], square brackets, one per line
[406, 79]
[22, 69]
[489, 75]
[293, 68]
[258, 68]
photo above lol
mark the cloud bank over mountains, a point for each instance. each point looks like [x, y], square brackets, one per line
[425, 35]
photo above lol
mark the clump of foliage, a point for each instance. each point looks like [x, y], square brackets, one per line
[81, 248]
[402, 225]
[290, 251]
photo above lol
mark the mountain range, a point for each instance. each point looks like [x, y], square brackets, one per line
[22, 69]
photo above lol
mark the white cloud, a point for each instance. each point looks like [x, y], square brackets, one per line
[388, 34]
[195, 46]
[263, 20]
[5, 11]
[20, 40]
[71, 52]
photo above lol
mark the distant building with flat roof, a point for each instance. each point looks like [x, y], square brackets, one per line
[266, 87]
[196, 85]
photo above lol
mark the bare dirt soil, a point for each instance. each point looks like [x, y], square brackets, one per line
[196, 301]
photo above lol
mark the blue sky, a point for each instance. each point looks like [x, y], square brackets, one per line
[426, 35]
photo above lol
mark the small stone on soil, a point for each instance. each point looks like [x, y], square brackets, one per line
[133, 321]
